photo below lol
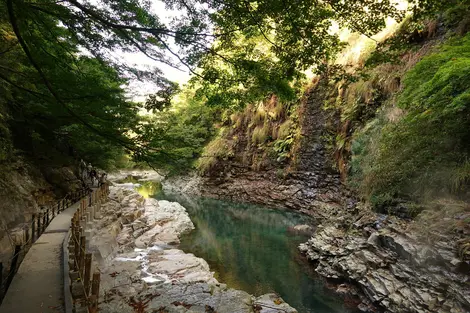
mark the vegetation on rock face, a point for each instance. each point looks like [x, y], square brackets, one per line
[427, 150]
[258, 137]
[411, 122]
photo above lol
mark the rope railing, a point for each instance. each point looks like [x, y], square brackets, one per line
[38, 224]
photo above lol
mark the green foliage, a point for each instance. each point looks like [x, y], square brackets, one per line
[426, 18]
[217, 149]
[65, 102]
[73, 105]
[271, 48]
[260, 134]
[456, 13]
[426, 152]
[177, 136]
[283, 147]
[65, 89]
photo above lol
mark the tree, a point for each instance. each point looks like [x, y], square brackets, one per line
[55, 98]
[258, 47]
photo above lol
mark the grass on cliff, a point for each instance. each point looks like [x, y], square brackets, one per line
[424, 153]
[219, 148]
[257, 136]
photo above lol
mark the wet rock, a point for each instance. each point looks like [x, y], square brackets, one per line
[301, 230]
[271, 303]
[177, 265]
[393, 270]
[133, 243]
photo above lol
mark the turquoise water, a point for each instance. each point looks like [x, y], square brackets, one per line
[250, 248]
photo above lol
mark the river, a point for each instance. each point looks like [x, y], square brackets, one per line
[253, 248]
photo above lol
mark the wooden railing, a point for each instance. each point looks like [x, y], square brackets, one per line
[31, 232]
[84, 287]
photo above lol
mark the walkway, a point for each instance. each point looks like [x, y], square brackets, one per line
[38, 286]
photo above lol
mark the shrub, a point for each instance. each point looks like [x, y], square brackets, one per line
[219, 148]
[278, 112]
[260, 134]
[285, 129]
[237, 119]
[426, 152]
[259, 116]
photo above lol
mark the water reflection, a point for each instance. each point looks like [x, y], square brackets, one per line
[149, 188]
[250, 249]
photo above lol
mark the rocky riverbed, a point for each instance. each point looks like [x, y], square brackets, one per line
[391, 266]
[389, 263]
[142, 269]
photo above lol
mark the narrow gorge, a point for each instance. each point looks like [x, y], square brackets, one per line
[259, 156]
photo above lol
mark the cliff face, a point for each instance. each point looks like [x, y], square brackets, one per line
[25, 187]
[392, 264]
[307, 182]
[389, 263]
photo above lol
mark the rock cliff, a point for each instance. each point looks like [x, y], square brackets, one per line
[390, 266]
[311, 185]
[25, 187]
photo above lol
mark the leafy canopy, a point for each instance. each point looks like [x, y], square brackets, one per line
[236, 50]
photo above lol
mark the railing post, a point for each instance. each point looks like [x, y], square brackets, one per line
[39, 225]
[1, 282]
[44, 216]
[95, 293]
[47, 218]
[82, 256]
[26, 236]
[86, 280]
[76, 247]
[33, 228]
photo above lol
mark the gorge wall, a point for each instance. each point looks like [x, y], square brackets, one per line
[385, 262]
[311, 186]
[26, 187]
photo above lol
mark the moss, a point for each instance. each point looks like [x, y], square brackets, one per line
[422, 153]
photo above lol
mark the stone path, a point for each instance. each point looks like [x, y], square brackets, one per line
[38, 286]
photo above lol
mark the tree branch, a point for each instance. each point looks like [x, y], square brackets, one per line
[34, 93]
[48, 85]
